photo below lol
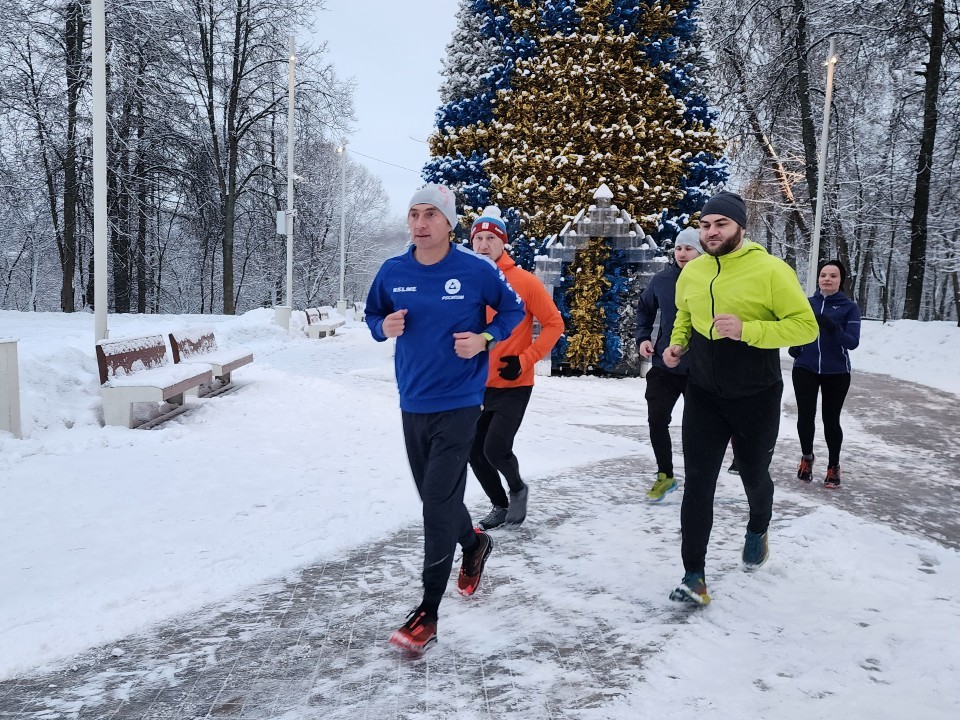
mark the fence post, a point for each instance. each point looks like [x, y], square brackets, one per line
[9, 388]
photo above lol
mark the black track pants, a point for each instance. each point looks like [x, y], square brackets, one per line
[662, 392]
[437, 447]
[492, 451]
[709, 423]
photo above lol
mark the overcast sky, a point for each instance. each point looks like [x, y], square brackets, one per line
[393, 50]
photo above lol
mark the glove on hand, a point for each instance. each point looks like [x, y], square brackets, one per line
[511, 367]
[825, 323]
[794, 351]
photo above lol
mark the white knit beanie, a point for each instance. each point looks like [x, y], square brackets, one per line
[689, 237]
[441, 197]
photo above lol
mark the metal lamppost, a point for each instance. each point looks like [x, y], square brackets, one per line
[99, 71]
[285, 217]
[342, 302]
[824, 139]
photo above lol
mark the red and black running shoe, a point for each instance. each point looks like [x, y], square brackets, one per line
[832, 481]
[472, 569]
[418, 633]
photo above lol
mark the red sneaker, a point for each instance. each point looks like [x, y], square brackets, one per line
[472, 569]
[418, 633]
[805, 468]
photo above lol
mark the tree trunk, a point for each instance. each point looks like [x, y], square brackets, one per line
[229, 222]
[885, 288]
[807, 128]
[790, 241]
[956, 295]
[808, 131]
[76, 67]
[865, 271]
[921, 193]
[142, 196]
[119, 203]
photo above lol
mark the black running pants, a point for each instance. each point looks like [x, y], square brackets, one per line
[752, 423]
[662, 392]
[492, 451]
[437, 447]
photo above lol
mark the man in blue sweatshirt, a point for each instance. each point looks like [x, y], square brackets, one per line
[433, 300]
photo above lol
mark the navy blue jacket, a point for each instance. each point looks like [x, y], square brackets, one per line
[441, 299]
[839, 320]
[660, 295]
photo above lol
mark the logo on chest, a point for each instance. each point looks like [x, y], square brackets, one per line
[452, 288]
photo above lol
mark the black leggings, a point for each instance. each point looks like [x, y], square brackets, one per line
[833, 391]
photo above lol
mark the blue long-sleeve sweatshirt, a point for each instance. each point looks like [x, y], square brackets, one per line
[829, 354]
[441, 299]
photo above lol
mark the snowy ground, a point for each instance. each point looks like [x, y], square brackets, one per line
[109, 534]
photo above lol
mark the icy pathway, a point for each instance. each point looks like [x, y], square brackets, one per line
[854, 615]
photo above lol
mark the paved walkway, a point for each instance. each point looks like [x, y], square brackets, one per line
[313, 646]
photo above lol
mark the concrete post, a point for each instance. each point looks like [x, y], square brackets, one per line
[9, 388]
[281, 316]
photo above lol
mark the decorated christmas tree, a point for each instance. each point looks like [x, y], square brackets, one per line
[469, 55]
[581, 93]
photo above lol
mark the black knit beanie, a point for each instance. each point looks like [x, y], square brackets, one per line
[837, 264]
[729, 205]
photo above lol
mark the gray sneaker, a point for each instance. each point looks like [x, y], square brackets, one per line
[494, 518]
[517, 512]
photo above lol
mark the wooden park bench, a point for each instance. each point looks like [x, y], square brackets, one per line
[198, 346]
[136, 370]
[321, 322]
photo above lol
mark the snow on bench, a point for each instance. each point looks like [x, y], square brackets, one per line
[198, 346]
[322, 321]
[137, 370]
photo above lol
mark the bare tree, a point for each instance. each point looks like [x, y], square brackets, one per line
[925, 159]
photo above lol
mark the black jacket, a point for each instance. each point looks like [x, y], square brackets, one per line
[659, 295]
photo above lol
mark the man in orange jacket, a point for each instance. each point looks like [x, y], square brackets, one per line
[510, 377]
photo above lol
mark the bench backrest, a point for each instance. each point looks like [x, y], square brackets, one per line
[315, 315]
[128, 355]
[188, 343]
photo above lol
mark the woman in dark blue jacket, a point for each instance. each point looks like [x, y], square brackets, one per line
[824, 366]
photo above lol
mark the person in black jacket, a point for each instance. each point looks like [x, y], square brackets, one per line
[664, 385]
[824, 366]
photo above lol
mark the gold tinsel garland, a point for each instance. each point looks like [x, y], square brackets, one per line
[585, 110]
[588, 319]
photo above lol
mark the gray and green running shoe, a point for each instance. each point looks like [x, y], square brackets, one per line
[664, 485]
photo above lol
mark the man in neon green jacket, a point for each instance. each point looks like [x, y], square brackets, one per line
[736, 306]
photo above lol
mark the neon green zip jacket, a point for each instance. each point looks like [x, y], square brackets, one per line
[761, 290]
